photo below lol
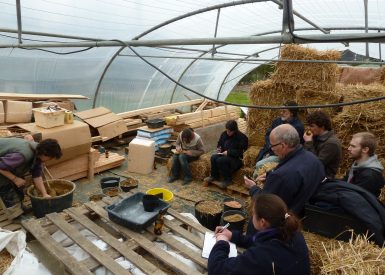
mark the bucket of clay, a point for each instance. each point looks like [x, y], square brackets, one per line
[64, 190]
[232, 204]
[235, 218]
[208, 213]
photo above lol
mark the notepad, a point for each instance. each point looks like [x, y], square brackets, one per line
[209, 243]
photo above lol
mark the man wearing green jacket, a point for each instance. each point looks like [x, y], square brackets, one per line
[19, 156]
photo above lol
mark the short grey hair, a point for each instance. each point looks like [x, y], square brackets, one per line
[286, 134]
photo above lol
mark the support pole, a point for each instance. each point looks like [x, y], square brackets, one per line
[19, 28]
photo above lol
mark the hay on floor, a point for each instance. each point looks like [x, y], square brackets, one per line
[317, 76]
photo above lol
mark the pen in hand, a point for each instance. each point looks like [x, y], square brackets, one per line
[223, 228]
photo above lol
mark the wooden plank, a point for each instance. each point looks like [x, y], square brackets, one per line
[102, 120]
[113, 129]
[181, 248]
[70, 167]
[12, 227]
[70, 263]
[36, 97]
[86, 245]
[149, 246]
[130, 255]
[132, 121]
[175, 227]
[92, 113]
[160, 108]
[204, 103]
[187, 221]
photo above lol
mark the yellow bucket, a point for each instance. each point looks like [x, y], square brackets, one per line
[167, 194]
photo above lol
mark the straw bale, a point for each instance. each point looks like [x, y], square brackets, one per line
[318, 76]
[250, 156]
[265, 93]
[382, 76]
[312, 97]
[199, 168]
[360, 117]
[238, 175]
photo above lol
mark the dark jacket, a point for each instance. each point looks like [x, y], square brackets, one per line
[294, 180]
[328, 149]
[263, 250]
[235, 145]
[355, 201]
[367, 175]
[295, 122]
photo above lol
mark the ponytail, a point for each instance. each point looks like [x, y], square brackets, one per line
[274, 210]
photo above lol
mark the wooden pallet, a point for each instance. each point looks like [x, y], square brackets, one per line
[14, 224]
[138, 248]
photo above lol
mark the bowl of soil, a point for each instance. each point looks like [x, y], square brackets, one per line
[232, 204]
[128, 184]
[111, 191]
[208, 213]
[235, 218]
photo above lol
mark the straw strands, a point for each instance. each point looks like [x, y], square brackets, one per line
[5, 260]
[250, 156]
[318, 76]
[199, 168]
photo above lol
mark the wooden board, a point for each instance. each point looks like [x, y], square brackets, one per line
[160, 108]
[38, 97]
[139, 248]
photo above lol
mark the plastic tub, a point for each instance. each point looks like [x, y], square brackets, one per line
[109, 182]
[238, 219]
[210, 221]
[162, 193]
[42, 206]
[155, 123]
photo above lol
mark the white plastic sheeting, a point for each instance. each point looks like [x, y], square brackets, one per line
[129, 83]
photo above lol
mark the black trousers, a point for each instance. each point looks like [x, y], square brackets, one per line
[224, 166]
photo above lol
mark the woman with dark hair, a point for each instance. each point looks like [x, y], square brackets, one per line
[277, 248]
[189, 147]
[228, 158]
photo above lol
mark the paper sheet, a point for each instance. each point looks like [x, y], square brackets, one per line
[209, 243]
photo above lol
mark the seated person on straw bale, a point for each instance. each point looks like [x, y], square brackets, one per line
[266, 155]
[321, 141]
[228, 159]
[278, 248]
[17, 157]
[189, 147]
[297, 175]
[366, 170]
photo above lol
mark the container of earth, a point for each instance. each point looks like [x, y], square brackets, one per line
[61, 197]
[232, 204]
[208, 213]
[235, 218]
[128, 184]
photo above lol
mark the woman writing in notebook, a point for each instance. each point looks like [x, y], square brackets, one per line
[277, 248]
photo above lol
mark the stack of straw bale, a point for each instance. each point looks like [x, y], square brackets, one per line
[250, 156]
[316, 76]
[361, 117]
[199, 168]
[265, 93]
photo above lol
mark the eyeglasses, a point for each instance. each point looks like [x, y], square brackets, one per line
[273, 145]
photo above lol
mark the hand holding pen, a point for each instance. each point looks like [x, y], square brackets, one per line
[222, 233]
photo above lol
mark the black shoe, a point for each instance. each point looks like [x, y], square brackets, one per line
[187, 181]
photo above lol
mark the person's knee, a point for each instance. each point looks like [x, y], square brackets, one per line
[224, 161]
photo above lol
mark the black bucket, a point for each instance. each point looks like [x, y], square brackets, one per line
[207, 220]
[109, 182]
[235, 224]
[42, 206]
[232, 204]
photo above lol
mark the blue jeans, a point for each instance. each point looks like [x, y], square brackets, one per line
[180, 162]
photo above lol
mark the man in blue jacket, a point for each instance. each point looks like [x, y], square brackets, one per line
[297, 175]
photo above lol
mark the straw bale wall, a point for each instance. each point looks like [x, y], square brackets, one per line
[301, 75]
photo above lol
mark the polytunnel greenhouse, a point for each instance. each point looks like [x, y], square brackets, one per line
[192, 137]
[99, 48]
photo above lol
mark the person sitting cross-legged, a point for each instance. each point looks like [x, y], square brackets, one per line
[228, 159]
[189, 147]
